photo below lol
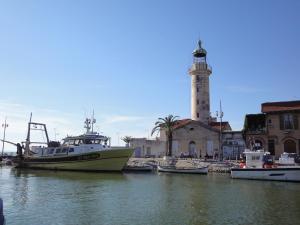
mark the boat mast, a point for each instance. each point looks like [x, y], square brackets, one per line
[28, 137]
[4, 125]
[89, 124]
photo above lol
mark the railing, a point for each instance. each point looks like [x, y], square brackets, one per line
[200, 66]
[257, 131]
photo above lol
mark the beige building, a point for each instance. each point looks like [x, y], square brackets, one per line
[276, 129]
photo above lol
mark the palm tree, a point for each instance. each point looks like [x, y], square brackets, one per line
[168, 125]
[127, 140]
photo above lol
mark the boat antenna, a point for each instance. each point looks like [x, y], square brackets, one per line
[87, 125]
[93, 121]
[4, 125]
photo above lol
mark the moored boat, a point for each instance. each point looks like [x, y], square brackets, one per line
[136, 166]
[169, 166]
[257, 167]
[88, 152]
[191, 170]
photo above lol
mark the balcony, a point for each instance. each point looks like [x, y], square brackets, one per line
[256, 131]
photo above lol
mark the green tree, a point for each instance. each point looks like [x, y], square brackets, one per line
[167, 125]
[127, 140]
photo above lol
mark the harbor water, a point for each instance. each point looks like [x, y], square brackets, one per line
[69, 198]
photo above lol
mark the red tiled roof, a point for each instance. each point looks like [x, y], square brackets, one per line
[182, 123]
[216, 125]
[280, 106]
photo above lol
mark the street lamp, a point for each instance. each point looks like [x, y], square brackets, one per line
[220, 115]
[4, 125]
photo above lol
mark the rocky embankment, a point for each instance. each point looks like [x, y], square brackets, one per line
[214, 166]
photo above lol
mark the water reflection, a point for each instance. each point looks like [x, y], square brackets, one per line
[86, 176]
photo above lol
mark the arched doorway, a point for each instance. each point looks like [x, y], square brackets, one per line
[290, 146]
[192, 148]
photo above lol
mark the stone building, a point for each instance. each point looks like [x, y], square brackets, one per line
[276, 129]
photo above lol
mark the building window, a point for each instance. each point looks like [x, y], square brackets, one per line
[198, 78]
[197, 115]
[288, 121]
[148, 150]
[270, 121]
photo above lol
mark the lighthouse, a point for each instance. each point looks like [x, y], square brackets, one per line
[199, 72]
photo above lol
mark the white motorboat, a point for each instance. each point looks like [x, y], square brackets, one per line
[257, 168]
[88, 152]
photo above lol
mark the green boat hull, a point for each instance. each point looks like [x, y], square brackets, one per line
[101, 161]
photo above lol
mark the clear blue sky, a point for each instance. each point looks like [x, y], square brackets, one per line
[128, 60]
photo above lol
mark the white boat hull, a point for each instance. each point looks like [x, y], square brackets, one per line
[276, 174]
[108, 160]
[201, 170]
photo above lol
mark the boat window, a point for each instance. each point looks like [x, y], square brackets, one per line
[71, 150]
[87, 141]
[254, 157]
[97, 141]
[58, 150]
[50, 151]
[80, 141]
[64, 150]
[76, 142]
[71, 142]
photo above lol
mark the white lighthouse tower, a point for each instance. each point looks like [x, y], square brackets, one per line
[200, 71]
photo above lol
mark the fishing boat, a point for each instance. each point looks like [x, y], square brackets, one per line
[169, 166]
[258, 166]
[87, 152]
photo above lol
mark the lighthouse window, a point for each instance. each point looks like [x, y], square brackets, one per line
[198, 78]
[197, 115]
[197, 101]
[197, 89]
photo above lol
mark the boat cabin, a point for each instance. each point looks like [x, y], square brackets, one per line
[256, 159]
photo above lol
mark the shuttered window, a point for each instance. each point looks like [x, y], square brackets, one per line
[288, 121]
[296, 125]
